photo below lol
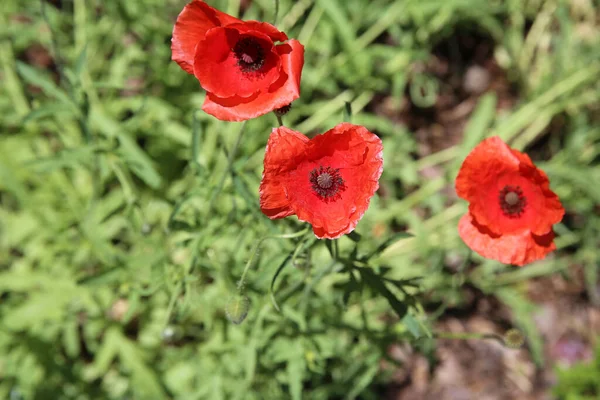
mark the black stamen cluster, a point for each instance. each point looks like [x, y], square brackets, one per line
[512, 209]
[250, 54]
[326, 182]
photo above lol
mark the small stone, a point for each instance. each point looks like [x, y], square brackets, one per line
[476, 80]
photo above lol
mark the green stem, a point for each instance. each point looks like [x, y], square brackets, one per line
[240, 285]
[468, 335]
[279, 120]
[228, 170]
[336, 249]
[172, 303]
[53, 44]
[276, 12]
[83, 117]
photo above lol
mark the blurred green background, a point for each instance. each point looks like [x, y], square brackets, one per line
[127, 215]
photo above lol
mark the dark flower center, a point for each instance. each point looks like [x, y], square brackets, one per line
[326, 182]
[250, 54]
[512, 201]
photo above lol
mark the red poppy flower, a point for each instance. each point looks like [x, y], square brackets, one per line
[511, 206]
[326, 181]
[243, 71]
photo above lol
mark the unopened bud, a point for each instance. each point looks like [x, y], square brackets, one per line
[237, 308]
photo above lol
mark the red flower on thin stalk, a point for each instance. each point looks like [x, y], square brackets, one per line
[244, 72]
[511, 206]
[326, 181]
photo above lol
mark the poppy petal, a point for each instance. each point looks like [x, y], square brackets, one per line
[284, 148]
[262, 27]
[549, 210]
[517, 249]
[218, 70]
[477, 179]
[281, 93]
[191, 26]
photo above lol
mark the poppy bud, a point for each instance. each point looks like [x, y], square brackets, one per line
[237, 308]
[513, 338]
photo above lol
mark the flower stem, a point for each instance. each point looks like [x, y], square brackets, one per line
[276, 12]
[228, 170]
[279, 120]
[467, 336]
[336, 249]
[240, 284]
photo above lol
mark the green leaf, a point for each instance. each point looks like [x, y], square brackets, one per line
[71, 338]
[196, 143]
[412, 325]
[138, 161]
[480, 121]
[108, 351]
[144, 379]
[387, 243]
[48, 110]
[73, 158]
[367, 376]
[36, 78]
[81, 62]
[378, 285]
[337, 13]
[296, 366]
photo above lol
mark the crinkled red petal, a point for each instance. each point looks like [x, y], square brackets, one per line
[281, 93]
[519, 248]
[191, 26]
[262, 27]
[549, 210]
[477, 178]
[217, 67]
[285, 149]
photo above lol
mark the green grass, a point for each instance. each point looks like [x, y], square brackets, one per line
[127, 215]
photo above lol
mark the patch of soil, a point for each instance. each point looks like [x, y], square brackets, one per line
[486, 369]
[465, 69]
